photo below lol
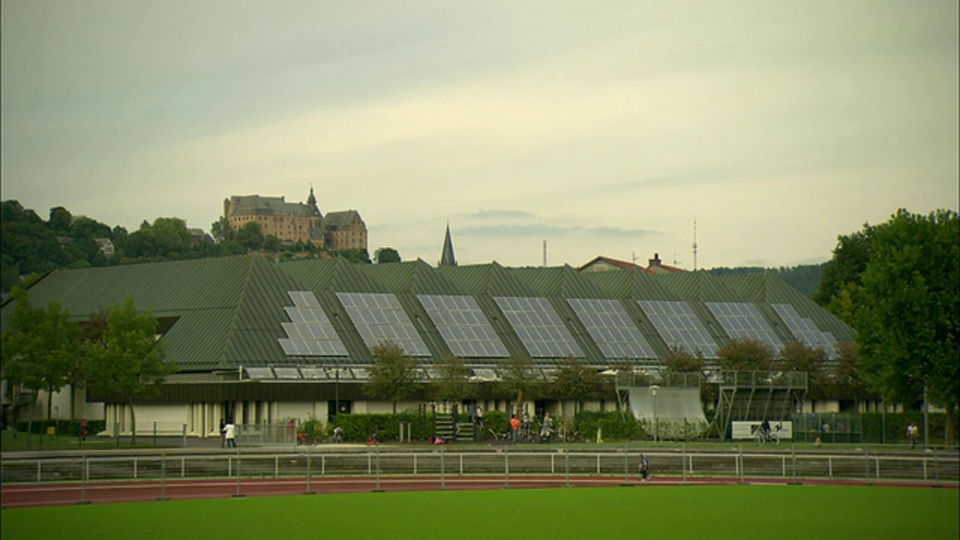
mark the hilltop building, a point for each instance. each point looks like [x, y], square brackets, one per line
[297, 222]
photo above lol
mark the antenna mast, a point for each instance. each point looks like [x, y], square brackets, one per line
[694, 244]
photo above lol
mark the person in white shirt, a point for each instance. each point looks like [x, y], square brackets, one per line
[230, 434]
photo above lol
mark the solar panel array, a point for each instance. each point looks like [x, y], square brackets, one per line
[463, 326]
[539, 327]
[611, 328]
[679, 326]
[805, 330]
[309, 333]
[379, 318]
[742, 320]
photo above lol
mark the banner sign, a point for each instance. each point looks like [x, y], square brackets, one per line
[745, 430]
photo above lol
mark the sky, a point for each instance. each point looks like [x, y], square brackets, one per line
[591, 127]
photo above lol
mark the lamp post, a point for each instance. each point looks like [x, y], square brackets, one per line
[656, 424]
[336, 396]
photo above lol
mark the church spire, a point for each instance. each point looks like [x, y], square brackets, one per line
[446, 256]
[311, 200]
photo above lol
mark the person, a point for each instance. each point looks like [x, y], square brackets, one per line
[525, 426]
[765, 429]
[546, 431]
[338, 434]
[223, 433]
[480, 417]
[230, 434]
[373, 439]
[912, 434]
[644, 468]
[515, 428]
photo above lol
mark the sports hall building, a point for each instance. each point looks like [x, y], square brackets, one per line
[264, 342]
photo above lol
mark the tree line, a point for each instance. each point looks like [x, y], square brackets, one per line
[115, 352]
[32, 246]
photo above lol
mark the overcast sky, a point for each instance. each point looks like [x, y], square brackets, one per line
[600, 127]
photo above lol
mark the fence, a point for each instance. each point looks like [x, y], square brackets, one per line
[370, 461]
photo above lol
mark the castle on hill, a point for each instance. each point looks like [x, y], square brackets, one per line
[293, 222]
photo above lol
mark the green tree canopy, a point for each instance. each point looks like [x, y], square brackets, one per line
[127, 362]
[518, 379]
[745, 354]
[393, 376]
[38, 347]
[386, 255]
[909, 321]
[577, 381]
[453, 383]
[798, 356]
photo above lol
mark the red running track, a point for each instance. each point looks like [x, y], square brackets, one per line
[51, 494]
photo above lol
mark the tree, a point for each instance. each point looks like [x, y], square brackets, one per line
[840, 285]
[798, 356]
[453, 383]
[393, 376]
[846, 374]
[38, 348]
[909, 322]
[60, 220]
[518, 378]
[386, 255]
[745, 354]
[221, 230]
[574, 380]
[128, 362]
[250, 236]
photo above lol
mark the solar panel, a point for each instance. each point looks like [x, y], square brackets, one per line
[309, 332]
[611, 328]
[679, 327]
[259, 373]
[805, 330]
[743, 320]
[539, 327]
[380, 318]
[463, 326]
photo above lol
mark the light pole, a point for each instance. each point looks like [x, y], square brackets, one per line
[656, 424]
[336, 397]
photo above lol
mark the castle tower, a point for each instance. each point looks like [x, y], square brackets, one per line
[447, 257]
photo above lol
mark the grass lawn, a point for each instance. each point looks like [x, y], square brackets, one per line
[716, 512]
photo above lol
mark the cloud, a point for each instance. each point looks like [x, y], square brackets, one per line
[496, 214]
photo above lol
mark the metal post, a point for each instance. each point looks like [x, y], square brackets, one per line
[740, 463]
[626, 469]
[83, 485]
[378, 488]
[656, 424]
[566, 463]
[926, 422]
[683, 461]
[506, 466]
[163, 479]
[154, 434]
[309, 491]
[238, 494]
[443, 484]
[184, 442]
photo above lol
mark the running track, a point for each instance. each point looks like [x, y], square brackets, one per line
[52, 494]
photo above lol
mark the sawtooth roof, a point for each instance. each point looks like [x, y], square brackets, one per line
[228, 313]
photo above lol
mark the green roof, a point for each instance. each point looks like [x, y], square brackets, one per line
[229, 312]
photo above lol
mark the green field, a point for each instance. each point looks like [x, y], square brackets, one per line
[735, 511]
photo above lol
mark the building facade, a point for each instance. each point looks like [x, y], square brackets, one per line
[265, 342]
[297, 222]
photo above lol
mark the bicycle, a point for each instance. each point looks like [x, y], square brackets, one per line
[762, 438]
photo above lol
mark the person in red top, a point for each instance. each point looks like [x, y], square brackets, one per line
[515, 428]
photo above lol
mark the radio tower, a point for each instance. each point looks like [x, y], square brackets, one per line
[694, 244]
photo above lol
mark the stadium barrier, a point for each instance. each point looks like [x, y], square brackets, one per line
[370, 461]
